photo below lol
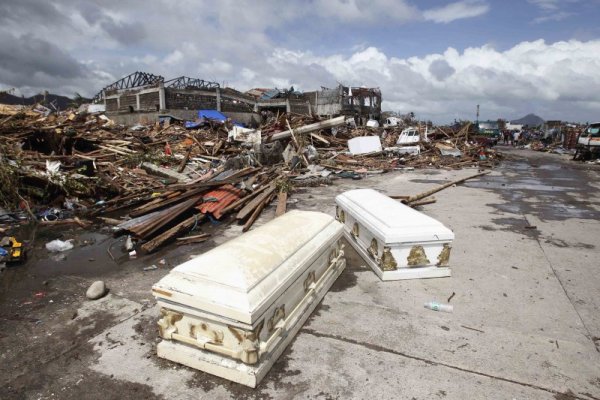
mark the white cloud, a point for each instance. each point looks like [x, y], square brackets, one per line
[546, 5]
[240, 43]
[367, 10]
[557, 80]
[458, 10]
[174, 58]
[555, 16]
[552, 10]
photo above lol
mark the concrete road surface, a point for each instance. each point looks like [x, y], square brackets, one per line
[525, 288]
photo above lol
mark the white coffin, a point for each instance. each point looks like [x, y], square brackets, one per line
[396, 241]
[231, 311]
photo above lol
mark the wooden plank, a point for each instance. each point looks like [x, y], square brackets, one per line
[251, 206]
[320, 138]
[330, 123]
[149, 228]
[281, 204]
[170, 234]
[257, 212]
[428, 193]
[238, 203]
[185, 160]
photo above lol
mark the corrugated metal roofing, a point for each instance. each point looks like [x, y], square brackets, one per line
[225, 195]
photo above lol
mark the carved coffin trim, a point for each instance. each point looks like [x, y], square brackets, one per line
[340, 215]
[444, 257]
[310, 279]
[278, 315]
[249, 341]
[166, 325]
[374, 249]
[417, 257]
[205, 331]
[388, 262]
[355, 230]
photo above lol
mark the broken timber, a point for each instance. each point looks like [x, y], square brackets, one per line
[330, 123]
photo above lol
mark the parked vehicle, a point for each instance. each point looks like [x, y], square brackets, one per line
[588, 143]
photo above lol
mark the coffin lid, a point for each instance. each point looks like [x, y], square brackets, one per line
[240, 278]
[391, 221]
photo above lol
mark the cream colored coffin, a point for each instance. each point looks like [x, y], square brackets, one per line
[396, 241]
[231, 311]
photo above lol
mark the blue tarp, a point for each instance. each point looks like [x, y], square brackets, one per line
[193, 124]
[211, 114]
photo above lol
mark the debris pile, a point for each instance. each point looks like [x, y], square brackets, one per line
[159, 182]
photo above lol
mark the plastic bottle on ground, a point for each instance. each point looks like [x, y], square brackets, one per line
[435, 306]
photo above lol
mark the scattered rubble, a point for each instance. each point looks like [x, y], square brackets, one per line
[160, 182]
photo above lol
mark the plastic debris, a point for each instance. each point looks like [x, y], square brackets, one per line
[58, 245]
[128, 243]
[435, 306]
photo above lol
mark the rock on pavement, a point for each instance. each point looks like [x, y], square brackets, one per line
[96, 290]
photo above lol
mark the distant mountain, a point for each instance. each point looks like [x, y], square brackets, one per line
[529, 120]
[60, 102]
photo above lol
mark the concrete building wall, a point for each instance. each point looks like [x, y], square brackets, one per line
[190, 99]
[300, 107]
[127, 102]
[112, 105]
[235, 106]
[149, 101]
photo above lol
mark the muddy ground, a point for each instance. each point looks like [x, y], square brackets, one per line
[526, 279]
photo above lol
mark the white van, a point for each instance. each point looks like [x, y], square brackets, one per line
[590, 136]
[588, 142]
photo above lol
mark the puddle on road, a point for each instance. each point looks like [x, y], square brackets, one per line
[88, 259]
[548, 188]
[550, 167]
[502, 182]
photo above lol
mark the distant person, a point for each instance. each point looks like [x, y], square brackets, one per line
[516, 138]
[506, 135]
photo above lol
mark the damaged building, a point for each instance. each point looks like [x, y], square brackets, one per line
[281, 100]
[142, 97]
[359, 102]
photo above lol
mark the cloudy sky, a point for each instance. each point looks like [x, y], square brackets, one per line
[436, 58]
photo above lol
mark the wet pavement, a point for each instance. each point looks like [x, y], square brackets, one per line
[525, 323]
[549, 187]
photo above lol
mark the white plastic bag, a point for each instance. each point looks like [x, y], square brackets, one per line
[58, 245]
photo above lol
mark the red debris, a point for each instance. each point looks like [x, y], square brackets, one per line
[226, 195]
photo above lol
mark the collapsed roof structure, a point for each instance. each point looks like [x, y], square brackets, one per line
[143, 97]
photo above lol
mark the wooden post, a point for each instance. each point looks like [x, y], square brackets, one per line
[281, 203]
